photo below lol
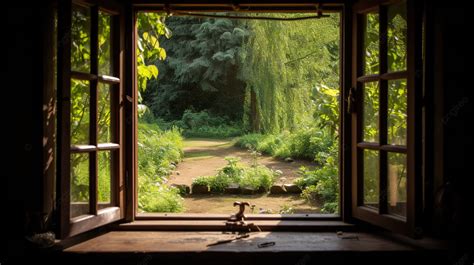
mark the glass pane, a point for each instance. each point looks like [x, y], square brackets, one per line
[104, 110]
[104, 44]
[105, 178]
[80, 39]
[397, 37]
[79, 184]
[371, 44]
[397, 184]
[370, 112]
[80, 111]
[397, 112]
[371, 178]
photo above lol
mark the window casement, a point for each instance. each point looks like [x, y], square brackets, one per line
[386, 165]
[89, 117]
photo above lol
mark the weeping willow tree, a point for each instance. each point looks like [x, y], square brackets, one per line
[284, 63]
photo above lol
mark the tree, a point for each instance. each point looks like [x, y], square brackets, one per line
[200, 69]
[284, 63]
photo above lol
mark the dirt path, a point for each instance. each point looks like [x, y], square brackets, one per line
[203, 157]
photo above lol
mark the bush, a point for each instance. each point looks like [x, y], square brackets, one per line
[306, 143]
[203, 181]
[159, 198]
[255, 177]
[258, 177]
[200, 124]
[158, 153]
[220, 131]
[322, 184]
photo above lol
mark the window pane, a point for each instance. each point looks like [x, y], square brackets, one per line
[80, 39]
[80, 112]
[371, 178]
[104, 44]
[79, 184]
[370, 112]
[397, 112]
[397, 184]
[105, 178]
[397, 37]
[104, 109]
[371, 44]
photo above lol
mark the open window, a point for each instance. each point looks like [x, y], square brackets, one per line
[89, 118]
[385, 133]
[302, 48]
[380, 143]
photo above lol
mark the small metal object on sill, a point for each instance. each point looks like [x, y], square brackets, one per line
[228, 240]
[266, 244]
[341, 235]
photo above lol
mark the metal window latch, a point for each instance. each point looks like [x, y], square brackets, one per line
[351, 100]
[237, 223]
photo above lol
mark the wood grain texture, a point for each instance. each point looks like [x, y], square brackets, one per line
[163, 242]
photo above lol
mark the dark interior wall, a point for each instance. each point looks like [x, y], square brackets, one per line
[453, 126]
[30, 42]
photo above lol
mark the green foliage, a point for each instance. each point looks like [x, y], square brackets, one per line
[159, 199]
[322, 184]
[158, 153]
[233, 171]
[307, 143]
[283, 61]
[286, 209]
[256, 177]
[221, 131]
[150, 27]
[199, 124]
[203, 180]
[200, 69]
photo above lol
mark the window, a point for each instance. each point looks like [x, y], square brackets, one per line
[97, 103]
[384, 175]
[89, 123]
[289, 69]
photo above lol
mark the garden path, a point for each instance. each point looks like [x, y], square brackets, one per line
[203, 157]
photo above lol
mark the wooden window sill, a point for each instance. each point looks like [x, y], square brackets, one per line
[132, 247]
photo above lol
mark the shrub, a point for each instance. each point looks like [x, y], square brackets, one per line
[220, 131]
[322, 184]
[200, 124]
[306, 143]
[203, 181]
[159, 198]
[258, 177]
[158, 153]
[255, 177]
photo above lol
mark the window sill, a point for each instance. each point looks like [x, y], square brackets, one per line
[132, 247]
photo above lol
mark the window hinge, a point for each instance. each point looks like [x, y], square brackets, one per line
[351, 100]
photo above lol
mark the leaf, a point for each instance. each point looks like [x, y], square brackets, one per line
[162, 54]
[153, 70]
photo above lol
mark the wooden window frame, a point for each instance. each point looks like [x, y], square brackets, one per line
[67, 226]
[126, 188]
[344, 48]
[380, 217]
